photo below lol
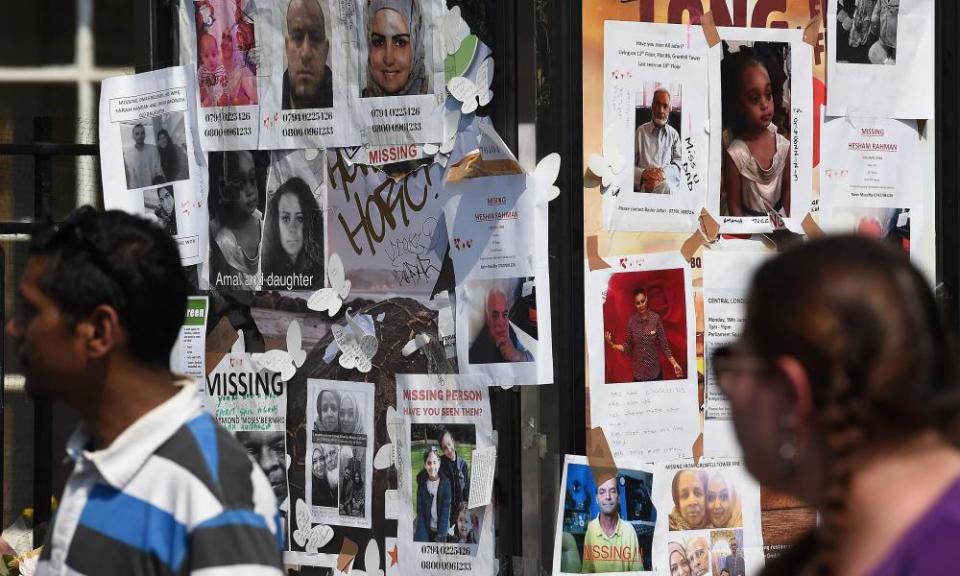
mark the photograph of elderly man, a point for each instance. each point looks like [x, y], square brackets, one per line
[657, 158]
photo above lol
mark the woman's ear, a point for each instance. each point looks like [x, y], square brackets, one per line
[798, 395]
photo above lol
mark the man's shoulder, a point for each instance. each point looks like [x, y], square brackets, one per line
[671, 131]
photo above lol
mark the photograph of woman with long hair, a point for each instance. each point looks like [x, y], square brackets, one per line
[433, 501]
[293, 238]
[173, 158]
[396, 55]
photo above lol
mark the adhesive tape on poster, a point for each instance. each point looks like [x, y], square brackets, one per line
[593, 254]
[706, 233]
[811, 228]
[710, 29]
[697, 449]
[812, 31]
[599, 456]
[348, 551]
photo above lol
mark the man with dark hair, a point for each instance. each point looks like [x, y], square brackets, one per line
[307, 81]
[142, 162]
[158, 487]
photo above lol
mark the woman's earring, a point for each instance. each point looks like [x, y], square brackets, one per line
[788, 446]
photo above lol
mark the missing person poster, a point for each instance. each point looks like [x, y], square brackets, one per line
[763, 142]
[657, 104]
[292, 256]
[606, 527]
[223, 40]
[339, 479]
[642, 349]
[498, 243]
[874, 70]
[448, 419]
[386, 227]
[400, 89]
[724, 312]
[308, 97]
[252, 404]
[708, 519]
[150, 158]
[871, 180]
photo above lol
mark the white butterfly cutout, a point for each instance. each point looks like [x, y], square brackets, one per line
[387, 454]
[453, 29]
[308, 536]
[371, 557]
[239, 346]
[331, 299]
[310, 154]
[286, 361]
[548, 168]
[357, 348]
[472, 94]
[451, 122]
[611, 163]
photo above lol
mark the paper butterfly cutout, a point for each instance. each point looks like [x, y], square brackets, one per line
[371, 562]
[548, 168]
[330, 300]
[611, 163]
[387, 454]
[451, 122]
[310, 538]
[239, 346]
[310, 154]
[453, 29]
[472, 94]
[286, 361]
[357, 348]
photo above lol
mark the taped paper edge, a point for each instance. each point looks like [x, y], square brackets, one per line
[811, 228]
[594, 260]
[474, 166]
[348, 551]
[812, 30]
[710, 29]
[600, 457]
[707, 231]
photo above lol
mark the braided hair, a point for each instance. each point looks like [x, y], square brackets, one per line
[864, 325]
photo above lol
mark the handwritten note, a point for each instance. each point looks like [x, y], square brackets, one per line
[482, 466]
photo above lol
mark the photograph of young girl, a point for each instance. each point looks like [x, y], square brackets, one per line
[226, 64]
[237, 184]
[645, 326]
[440, 455]
[756, 122]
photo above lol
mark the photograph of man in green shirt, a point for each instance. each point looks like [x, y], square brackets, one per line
[610, 544]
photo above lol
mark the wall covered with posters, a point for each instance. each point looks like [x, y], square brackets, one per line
[371, 257]
[714, 134]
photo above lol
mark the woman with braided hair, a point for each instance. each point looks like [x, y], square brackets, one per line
[843, 394]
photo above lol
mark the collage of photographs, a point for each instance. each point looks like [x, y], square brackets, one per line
[376, 260]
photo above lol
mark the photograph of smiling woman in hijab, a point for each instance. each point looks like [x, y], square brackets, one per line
[396, 50]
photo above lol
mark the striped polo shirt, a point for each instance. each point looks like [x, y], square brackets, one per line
[173, 494]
